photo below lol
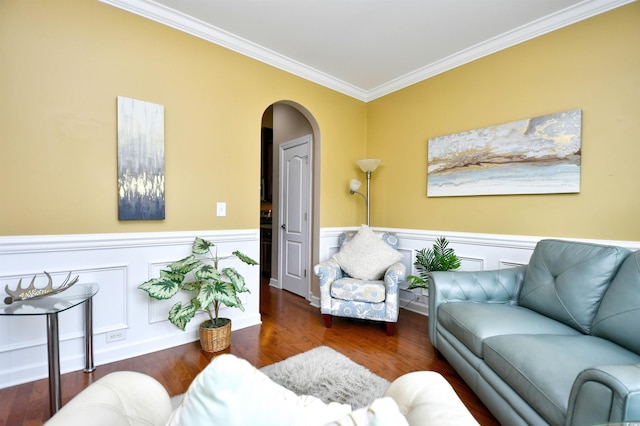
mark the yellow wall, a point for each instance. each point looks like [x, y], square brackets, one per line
[62, 66]
[593, 65]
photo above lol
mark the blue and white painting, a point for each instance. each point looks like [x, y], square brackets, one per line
[538, 155]
[140, 160]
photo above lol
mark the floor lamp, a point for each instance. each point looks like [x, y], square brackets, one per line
[368, 165]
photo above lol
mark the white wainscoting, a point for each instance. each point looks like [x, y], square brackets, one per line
[118, 263]
[477, 252]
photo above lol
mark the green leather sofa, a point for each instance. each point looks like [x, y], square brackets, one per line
[554, 342]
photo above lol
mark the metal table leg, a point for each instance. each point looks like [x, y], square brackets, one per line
[53, 346]
[88, 336]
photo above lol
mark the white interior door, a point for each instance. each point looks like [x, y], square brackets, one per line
[295, 190]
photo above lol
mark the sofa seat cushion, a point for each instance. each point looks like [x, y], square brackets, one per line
[542, 368]
[472, 323]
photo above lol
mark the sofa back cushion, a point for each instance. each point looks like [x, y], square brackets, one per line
[566, 280]
[230, 391]
[618, 318]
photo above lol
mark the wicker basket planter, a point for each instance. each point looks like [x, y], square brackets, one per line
[209, 286]
[215, 339]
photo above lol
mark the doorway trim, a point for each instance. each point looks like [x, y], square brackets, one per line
[315, 199]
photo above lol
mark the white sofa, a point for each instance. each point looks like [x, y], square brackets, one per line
[232, 392]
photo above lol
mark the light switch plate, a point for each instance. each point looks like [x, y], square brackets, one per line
[221, 209]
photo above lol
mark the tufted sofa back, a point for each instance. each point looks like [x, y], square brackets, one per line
[618, 318]
[566, 280]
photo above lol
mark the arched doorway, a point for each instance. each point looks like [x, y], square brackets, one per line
[284, 121]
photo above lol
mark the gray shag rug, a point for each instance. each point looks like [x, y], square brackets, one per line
[329, 375]
[326, 374]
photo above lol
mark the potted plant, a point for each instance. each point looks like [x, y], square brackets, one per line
[438, 258]
[201, 275]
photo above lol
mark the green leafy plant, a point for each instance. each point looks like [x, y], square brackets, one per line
[199, 273]
[438, 258]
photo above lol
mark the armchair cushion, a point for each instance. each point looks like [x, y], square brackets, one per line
[358, 290]
[366, 256]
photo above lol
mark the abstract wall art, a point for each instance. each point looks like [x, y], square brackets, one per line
[539, 155]
[140, 160]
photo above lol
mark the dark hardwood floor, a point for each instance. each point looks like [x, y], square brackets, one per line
[289, 326]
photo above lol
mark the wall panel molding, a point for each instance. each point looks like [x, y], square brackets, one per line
[118, 263]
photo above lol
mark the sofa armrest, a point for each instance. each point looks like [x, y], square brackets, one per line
[604, 395]
[123, 398]
[426, 398]
[328, 271]
[495, 286]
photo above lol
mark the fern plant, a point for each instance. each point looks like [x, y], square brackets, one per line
[200, 274]
[438, 258]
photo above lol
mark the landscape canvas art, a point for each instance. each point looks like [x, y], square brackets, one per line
[539, 155]
[140, 160]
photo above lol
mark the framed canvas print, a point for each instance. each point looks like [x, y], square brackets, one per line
[539, 155]
[140, 160]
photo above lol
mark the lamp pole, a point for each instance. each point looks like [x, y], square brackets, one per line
[368, 198]
[368, 166]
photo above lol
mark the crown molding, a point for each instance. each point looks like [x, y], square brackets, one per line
[182, 22]
[170, 17]
[571, 15]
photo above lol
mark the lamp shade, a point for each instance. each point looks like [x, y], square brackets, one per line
[354, 184]
[368, 164]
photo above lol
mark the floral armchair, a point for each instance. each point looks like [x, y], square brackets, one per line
[361, 280]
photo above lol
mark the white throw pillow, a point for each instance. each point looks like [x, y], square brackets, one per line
[366, 256]
[232, 392]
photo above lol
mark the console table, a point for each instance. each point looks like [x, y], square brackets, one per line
[50, 306]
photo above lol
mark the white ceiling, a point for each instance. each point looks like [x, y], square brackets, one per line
[367, 48]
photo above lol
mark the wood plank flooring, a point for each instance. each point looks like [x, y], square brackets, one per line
[289, 326]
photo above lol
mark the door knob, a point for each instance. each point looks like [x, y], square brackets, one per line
[283, 226]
